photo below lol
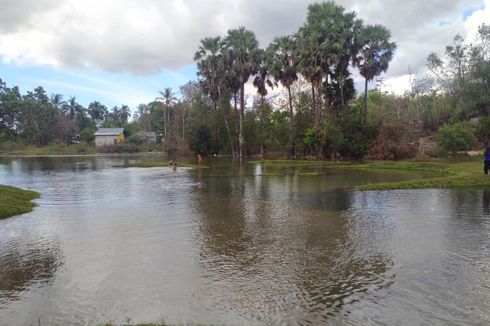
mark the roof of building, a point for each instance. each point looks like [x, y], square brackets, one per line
[109, 131]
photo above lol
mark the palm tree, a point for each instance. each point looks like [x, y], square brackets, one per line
[57, 101]
[374, 55]
[261, 81]
[71, 107]
[209, 60]
[168, 98]
[243, 47]
[283, 66]
[124, 113]
[97, 111]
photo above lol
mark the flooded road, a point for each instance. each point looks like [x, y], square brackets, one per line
[239, 246]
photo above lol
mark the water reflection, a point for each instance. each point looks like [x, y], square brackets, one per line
[26, 265]
[239, 245]
[278, 254]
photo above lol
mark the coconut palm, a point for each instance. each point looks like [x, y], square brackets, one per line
[57, 101]
[245, 58]
[374, 55]
[283, 66]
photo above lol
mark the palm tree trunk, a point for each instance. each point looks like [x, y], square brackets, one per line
[342, 100]
[241, 139]
[164, 124]
[229, 136]
[183, 123]
[262, 128]
[365, 100]
[236, 117]
[291, 129]
[313, 98]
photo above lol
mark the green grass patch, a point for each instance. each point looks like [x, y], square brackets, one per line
[466, 173]
[15, 201]
[462, 174]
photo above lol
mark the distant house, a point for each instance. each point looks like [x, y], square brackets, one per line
[109, 136]
[149, 137]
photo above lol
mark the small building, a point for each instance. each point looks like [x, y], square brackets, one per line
[149, 137]
[109, 136]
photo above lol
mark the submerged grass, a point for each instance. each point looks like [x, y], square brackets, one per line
[15, 201]
[447, 174]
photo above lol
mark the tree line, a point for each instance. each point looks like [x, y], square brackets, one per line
[314, 110]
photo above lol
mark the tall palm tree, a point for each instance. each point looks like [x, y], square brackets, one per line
[209, 61]
[283, 66]
[168, 98]
[261, 81]
[374, 55]
[245, 60]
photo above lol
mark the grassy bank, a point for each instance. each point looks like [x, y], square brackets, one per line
[15, 201]
[51, 149]
[447, 174]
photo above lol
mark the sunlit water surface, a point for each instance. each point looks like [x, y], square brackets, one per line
[239, 245]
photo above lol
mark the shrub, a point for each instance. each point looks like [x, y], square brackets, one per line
[119, 148]
[135, 139]
[457, 137]
[390, 144]
[87, 135]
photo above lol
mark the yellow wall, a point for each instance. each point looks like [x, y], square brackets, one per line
[120, 138]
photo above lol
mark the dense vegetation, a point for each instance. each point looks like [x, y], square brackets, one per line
[14, 201]
[316, 113]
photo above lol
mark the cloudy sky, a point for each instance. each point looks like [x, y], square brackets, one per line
[124, 51]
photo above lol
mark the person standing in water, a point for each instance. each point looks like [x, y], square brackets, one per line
[486, 162]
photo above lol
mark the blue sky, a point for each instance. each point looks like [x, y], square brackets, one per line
[125, 51]
[95, 85]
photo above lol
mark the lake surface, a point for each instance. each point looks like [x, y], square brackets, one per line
[239, 246]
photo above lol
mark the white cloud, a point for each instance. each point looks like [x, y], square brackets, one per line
[143, 37]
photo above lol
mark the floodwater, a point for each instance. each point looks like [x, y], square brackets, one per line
[239, 246]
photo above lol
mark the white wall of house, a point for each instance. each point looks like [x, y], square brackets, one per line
[105, 140]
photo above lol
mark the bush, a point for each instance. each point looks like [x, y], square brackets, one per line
[135, 139]
[390, 144]
[457, 137]
[119, 148]
[87, 135]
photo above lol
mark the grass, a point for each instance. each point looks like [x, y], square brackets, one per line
[51, 149]
[15, 201]
[447, 174]
[159, 164]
